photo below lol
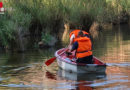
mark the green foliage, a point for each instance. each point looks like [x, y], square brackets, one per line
[46, 38]
[48, 11]
[6, 30]
[10, 23]
[51, 13]
[116, 8]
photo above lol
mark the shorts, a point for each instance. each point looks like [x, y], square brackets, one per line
[86, 60]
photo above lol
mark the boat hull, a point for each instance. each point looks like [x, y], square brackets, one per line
[67, 64]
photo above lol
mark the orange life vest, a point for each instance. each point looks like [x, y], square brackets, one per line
[84, 47]
[75, 32]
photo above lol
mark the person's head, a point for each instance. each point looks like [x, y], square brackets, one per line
[80, 33]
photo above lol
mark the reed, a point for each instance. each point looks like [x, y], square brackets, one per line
[53, 14]
[48, 11]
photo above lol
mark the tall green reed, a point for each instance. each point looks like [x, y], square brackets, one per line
[51, 14]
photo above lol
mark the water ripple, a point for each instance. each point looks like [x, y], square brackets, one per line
[107, 82]
[119, 64]
[19, 85]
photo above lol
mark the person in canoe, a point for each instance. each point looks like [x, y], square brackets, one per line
[83, 46]
[73, 35]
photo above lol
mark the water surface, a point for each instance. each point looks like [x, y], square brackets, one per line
[25, 71]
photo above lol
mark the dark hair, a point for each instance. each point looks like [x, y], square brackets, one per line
[80, 33]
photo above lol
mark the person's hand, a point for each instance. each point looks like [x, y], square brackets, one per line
[68, 53]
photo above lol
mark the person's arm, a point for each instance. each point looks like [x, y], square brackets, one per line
[71, 41]
[74, 47]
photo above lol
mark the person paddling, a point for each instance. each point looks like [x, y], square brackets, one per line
[83, 47]
[73, 35]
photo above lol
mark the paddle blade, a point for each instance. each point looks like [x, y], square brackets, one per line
[48, 62]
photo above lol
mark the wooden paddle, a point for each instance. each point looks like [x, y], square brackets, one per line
[48, 62]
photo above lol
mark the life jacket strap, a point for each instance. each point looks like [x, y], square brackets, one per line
[84, 51]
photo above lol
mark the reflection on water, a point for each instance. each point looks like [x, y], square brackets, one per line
[24, 71]
[80, 81]
[80, 76]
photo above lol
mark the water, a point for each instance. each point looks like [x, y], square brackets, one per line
[25, 71]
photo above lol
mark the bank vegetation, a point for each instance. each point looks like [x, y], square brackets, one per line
[41, 23]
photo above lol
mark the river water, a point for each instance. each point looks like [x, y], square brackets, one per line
[26, 71]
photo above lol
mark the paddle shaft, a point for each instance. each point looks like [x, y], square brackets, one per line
[63, 52]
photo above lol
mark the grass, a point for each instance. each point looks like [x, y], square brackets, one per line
[52, 14]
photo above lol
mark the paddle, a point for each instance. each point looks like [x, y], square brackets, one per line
[48, 62]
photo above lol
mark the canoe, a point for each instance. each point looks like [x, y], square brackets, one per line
[68, 63]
